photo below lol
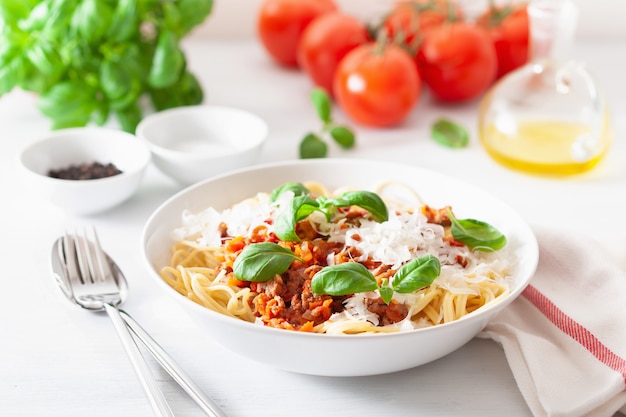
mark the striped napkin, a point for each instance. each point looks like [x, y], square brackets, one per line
[565, 337]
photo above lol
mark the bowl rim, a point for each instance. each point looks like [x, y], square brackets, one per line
[531, 262]
[259, 138]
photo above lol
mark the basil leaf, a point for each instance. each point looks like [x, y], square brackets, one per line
[450, 134]
[477, 234]
[124, 23]
[68, 104]
[16, 10]
[297, 188]
[418, 273]
[168, 61]
[10, 70]
[260, 262]
[45, 59]
[192, 13]
[37, 18]
[343, 136]
[365, 199]
[91, 20]
[312, 146]
[386, 293]
[186, 91]
[129, 117]
[343, 279]
[321, 102]
[299, 208]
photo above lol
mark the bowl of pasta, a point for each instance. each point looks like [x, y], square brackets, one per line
[339, 267]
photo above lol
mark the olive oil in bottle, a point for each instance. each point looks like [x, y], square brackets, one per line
[547, 117]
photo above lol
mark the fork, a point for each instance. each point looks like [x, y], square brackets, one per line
[91, 279]
[93, 286]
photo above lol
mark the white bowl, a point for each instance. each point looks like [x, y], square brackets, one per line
[339, 355]
[193, 143]
[63, 148]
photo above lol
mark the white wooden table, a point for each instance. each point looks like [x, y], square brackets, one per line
[59, 361]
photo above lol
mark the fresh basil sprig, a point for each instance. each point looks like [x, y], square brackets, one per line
[260, 262]
[302, 205]
[353, 277]
[313, 145]
[477, 234]
[90, 60]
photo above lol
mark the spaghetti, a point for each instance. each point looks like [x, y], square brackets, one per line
[208, 243]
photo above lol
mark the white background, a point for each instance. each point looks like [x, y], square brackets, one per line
[599, 19]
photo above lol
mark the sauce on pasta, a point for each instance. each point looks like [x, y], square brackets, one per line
[208, 243]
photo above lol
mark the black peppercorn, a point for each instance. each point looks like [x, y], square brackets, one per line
[85, 171]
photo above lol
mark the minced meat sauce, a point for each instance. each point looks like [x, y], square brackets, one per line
[287, 301]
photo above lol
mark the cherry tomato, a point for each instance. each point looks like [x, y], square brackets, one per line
[509, 30]
[325, 42]
[457, 61]
[377, 85]
[280, 24]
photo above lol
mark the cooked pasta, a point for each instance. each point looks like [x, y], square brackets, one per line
[208, 244]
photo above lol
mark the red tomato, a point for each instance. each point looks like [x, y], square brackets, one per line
[325, 42]
[411, 18]
[509, 30]
[377, 85]
[457, 61]
[280, 24]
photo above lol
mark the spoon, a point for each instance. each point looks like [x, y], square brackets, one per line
[89, 278]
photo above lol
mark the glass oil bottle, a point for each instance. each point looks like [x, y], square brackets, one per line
[547, 117]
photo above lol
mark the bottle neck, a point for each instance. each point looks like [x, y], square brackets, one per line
[552, 28]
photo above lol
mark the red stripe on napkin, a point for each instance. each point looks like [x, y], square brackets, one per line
[575, 331]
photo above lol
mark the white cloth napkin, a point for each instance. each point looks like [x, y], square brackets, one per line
[565, 336]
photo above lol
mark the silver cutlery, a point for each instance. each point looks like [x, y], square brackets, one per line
[90, 279]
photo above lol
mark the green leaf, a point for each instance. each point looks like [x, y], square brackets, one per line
[168, 61]
[58, 20]
[386, 293]
[125, 21]
[260, 262]
[11, 70]
[367, 200]
[477, 234]
[321, 103]
[299, 209]
[450, 134]
[312, 146]
[171, 17]
[12, 11]
[343, 136]
[129, 117]
[185, 92]
[91, 20]
[120, 79]
[417, 274]
[46, 59]
[343, 279]
[37, 18]
[68, 104]
[192, 13]
[297, 188]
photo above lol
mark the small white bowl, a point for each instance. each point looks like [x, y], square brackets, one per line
[192, 143]
[75, 146]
